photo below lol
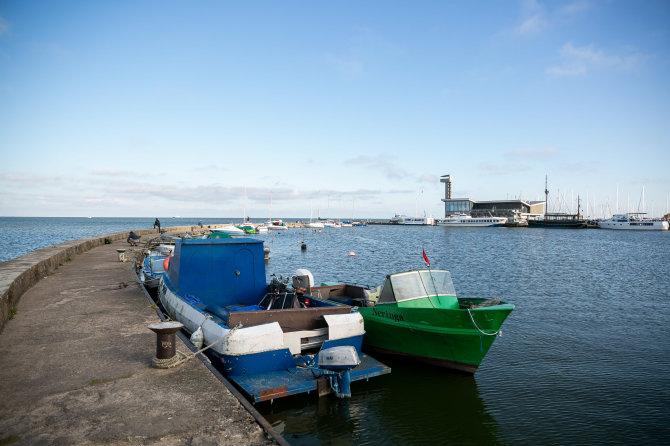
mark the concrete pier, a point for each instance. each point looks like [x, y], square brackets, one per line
[75, 360]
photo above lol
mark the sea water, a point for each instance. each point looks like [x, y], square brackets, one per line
[584, 357]
[21, 235]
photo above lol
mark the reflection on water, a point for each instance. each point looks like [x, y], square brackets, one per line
[583, 358]
[392, 409]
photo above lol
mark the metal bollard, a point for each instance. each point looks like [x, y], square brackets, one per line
[122, 255]
[165, 338]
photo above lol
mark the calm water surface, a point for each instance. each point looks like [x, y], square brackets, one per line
[583, 358]
[21, 235]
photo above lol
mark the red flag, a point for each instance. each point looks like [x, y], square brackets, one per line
[425, 257]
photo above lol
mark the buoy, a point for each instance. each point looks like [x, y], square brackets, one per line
[303, 247]
[166, 263]
[198, 338]
[352, 254]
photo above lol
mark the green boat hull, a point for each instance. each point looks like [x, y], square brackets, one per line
[456, 338]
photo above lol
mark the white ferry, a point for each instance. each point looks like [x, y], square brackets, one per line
[466, 221]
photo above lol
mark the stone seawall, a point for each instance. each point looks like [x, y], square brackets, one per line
[18, 275]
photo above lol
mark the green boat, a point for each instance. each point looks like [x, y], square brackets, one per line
[417, 315]
[248, 229]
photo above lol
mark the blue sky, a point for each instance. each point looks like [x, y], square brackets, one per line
[182, 108]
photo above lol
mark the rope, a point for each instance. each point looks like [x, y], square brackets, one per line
[179, 358]
[497, 333]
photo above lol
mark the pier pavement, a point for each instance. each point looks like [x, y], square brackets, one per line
[75, 362]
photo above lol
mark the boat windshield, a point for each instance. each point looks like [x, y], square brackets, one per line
[416, 284]
[438, 283]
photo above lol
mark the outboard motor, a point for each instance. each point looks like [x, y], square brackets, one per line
[303, 279]
[337, 362]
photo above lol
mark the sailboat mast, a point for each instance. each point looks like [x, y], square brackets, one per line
[577, 206]
[546, 196]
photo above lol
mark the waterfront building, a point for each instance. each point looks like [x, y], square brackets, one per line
[516, 211]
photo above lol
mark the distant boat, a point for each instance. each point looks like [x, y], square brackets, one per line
[557, 220]
[633, 221]
[467, 221]
[562, 221]
[405, 220]
[331, 224]
[276, 225]
[314, 224]
[248, 228]
[231, 230]
[152, 268]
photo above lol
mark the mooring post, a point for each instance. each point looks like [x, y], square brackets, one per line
[165, 338]
[122, 255]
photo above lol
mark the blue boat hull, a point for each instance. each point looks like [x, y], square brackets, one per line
[270, 385]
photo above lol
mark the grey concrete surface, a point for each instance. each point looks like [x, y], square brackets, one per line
[75, 367]
[18, 275]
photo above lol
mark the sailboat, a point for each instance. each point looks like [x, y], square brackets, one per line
[277, 224]
[245, 226]
[557, 220]
[313, 224]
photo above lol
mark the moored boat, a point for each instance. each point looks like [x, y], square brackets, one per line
[467, 221]
[229, 229]
[150, 267]
[557, 220]
[417, 315]
[405, 220]
[276, 225]
[266, 338]
[633, 221]
[561, 221]
[248, 228]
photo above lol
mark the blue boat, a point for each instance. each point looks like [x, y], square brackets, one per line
[269, 340]
[151, 269]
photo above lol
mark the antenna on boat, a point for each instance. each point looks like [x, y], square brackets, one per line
[430, 273]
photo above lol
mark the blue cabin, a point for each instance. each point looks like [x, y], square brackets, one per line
[219, 271]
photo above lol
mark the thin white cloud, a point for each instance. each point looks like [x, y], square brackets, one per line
[428, 178]
[30, 180]
[4, 26]
[110, 172]
[576, 7]
[352, 68]
[504, 168]
[531, 25]
[381, 163]
[580, 60]
[533, 19]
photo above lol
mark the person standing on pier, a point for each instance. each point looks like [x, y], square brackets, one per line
[157, 223]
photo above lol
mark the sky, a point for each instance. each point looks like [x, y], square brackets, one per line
[331, 109]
